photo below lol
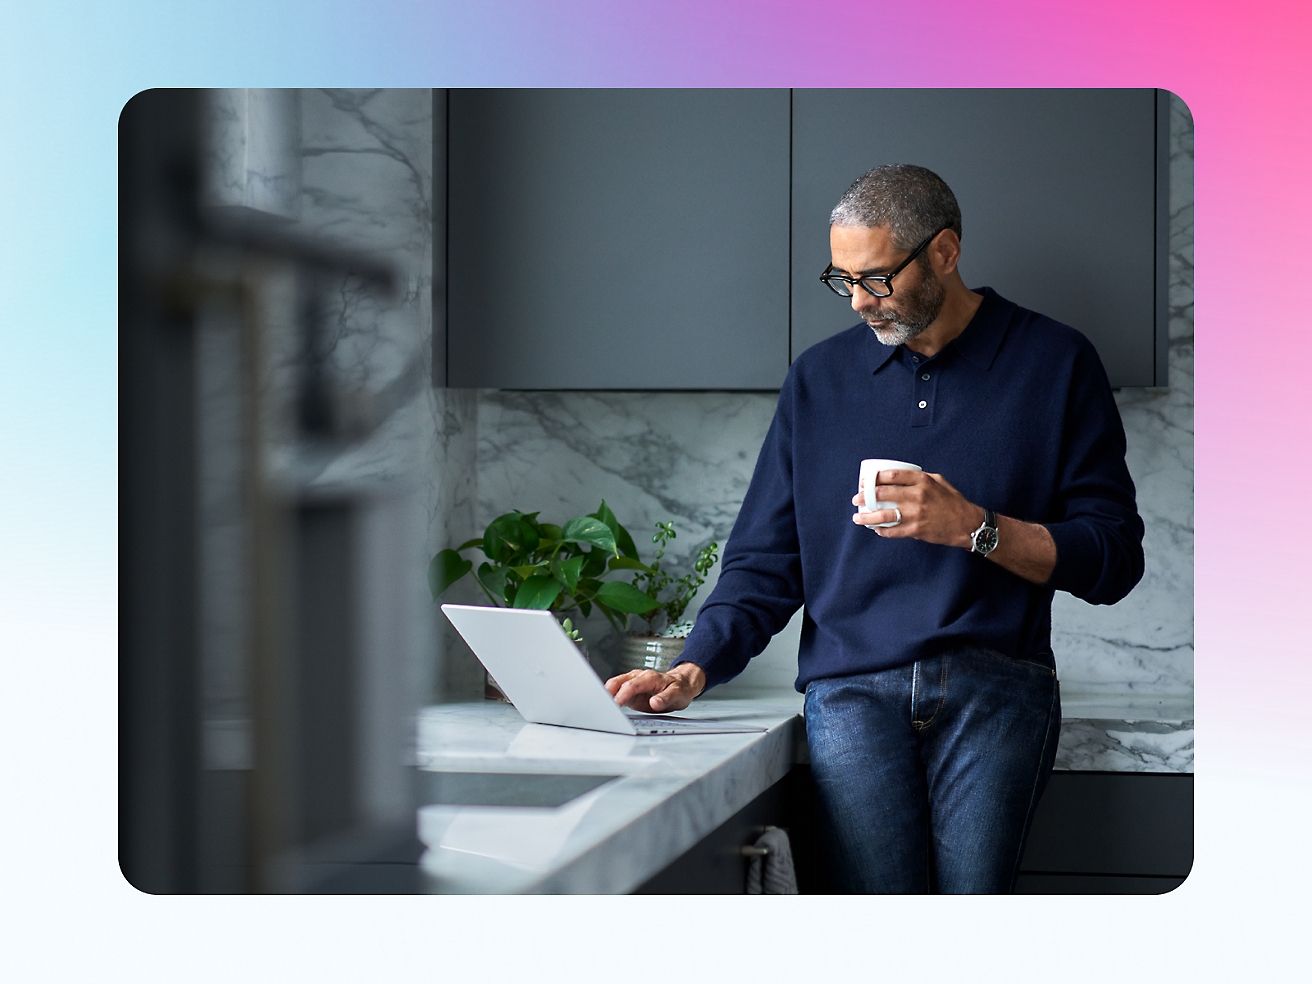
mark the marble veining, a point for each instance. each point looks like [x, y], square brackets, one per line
[1126, 746]
[367, 183]
[252, 155]
[655, 456]
[610, 840]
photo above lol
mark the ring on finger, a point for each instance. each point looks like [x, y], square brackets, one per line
[898, 513]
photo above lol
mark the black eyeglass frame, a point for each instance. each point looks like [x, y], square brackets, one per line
[885, 279]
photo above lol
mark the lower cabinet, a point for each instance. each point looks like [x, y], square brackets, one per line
[1094, 833]
[1110, 833]
[716, 865]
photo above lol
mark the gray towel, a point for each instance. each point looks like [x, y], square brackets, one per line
[772, 873]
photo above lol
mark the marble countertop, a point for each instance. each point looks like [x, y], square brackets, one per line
[647, 800]
[1116, 733]
[666, 795]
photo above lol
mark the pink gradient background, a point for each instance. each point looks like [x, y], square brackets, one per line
[1243, 69]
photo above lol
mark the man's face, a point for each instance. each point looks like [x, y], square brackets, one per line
[917, 296]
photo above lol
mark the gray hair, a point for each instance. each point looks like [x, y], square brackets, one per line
[912, 201]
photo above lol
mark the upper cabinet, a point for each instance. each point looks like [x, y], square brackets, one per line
[1062, 195]
[673, 239]
[617, 239]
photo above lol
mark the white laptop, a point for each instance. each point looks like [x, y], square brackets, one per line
[547, 679]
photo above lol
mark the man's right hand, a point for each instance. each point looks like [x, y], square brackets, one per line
[649, 690]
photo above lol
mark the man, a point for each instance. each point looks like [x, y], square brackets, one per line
[932, 705]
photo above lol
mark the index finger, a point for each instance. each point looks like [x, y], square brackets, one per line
[644, 683]
[614, 683]
[897, 476]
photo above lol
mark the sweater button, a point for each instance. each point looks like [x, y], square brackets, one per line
[923, 404]
[925, 376]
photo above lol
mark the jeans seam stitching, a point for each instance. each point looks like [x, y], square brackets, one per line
[942, 694]
[916, 723]
[942, 687]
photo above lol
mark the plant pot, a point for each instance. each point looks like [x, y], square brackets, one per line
[646, 652]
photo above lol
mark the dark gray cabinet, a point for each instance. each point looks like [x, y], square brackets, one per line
[1110, 833]
[604, 239]
[673, 239]
[1094, 833]
[1062, 194]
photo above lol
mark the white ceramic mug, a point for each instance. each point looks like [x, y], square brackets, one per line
[871, 467]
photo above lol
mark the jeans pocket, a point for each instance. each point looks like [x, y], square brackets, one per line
[1016, 661]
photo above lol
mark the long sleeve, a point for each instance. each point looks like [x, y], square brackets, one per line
[760, 584]
[1097, 529]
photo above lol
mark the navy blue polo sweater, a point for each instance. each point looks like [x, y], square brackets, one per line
[1016, 412]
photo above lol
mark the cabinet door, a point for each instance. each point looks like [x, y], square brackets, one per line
[1062, 195]
[618, 239]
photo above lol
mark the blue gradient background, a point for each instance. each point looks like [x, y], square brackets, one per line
[68, 68]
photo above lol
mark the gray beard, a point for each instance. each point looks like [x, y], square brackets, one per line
[922, 307]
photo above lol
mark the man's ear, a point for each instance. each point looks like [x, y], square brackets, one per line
[945, 252]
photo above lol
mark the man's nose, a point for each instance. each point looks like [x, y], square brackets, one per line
[863, 300]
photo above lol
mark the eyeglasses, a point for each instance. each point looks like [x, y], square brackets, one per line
[877, 286]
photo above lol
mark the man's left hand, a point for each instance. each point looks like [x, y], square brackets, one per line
[931, 507]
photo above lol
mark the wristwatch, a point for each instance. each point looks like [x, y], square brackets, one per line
[985, 539]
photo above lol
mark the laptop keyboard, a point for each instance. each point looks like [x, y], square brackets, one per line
[646, 726]
[653, 725]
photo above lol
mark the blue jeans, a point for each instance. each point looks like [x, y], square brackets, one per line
[928, 774]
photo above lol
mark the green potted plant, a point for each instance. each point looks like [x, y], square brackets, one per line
[662, 643]
[532, 564]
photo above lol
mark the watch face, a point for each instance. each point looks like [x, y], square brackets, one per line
[985, 540]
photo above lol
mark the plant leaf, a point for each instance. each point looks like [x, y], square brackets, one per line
[493, 580]
[628, 564]
[590, 530]
[570, 570]
[594, 563]
[494, 544]
[539, 591]
[604, 514]
[470, 543]
[613, 617]
[446, 569]
[625, 598]
[528, 570]
[623, 541]
[508, 537]
[549, 531]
